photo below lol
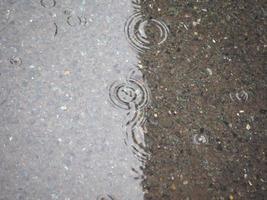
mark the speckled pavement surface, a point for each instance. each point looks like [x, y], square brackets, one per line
[61, 138]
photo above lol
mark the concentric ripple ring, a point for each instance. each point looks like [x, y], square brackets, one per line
[127, 94]
[105, 197]
[48, 3]
[135, 31]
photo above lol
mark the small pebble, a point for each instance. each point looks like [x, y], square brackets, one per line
[248, 127]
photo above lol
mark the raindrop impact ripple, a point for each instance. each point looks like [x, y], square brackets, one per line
[48, 3]
[138, 32]
[128, 94]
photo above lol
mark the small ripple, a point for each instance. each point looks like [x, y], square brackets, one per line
[241, 96]
[144, 34]
[133, 96]
[14, 60]
[135, 135]
[74, 20]
[67, 12]
[105, 197]
[136, 4]
[200, 139]
[131, 93]
[48, 3]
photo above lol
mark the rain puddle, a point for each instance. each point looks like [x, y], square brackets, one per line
[132, 100]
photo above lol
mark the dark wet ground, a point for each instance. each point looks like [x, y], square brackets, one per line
[133, 100]
[207, 121]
